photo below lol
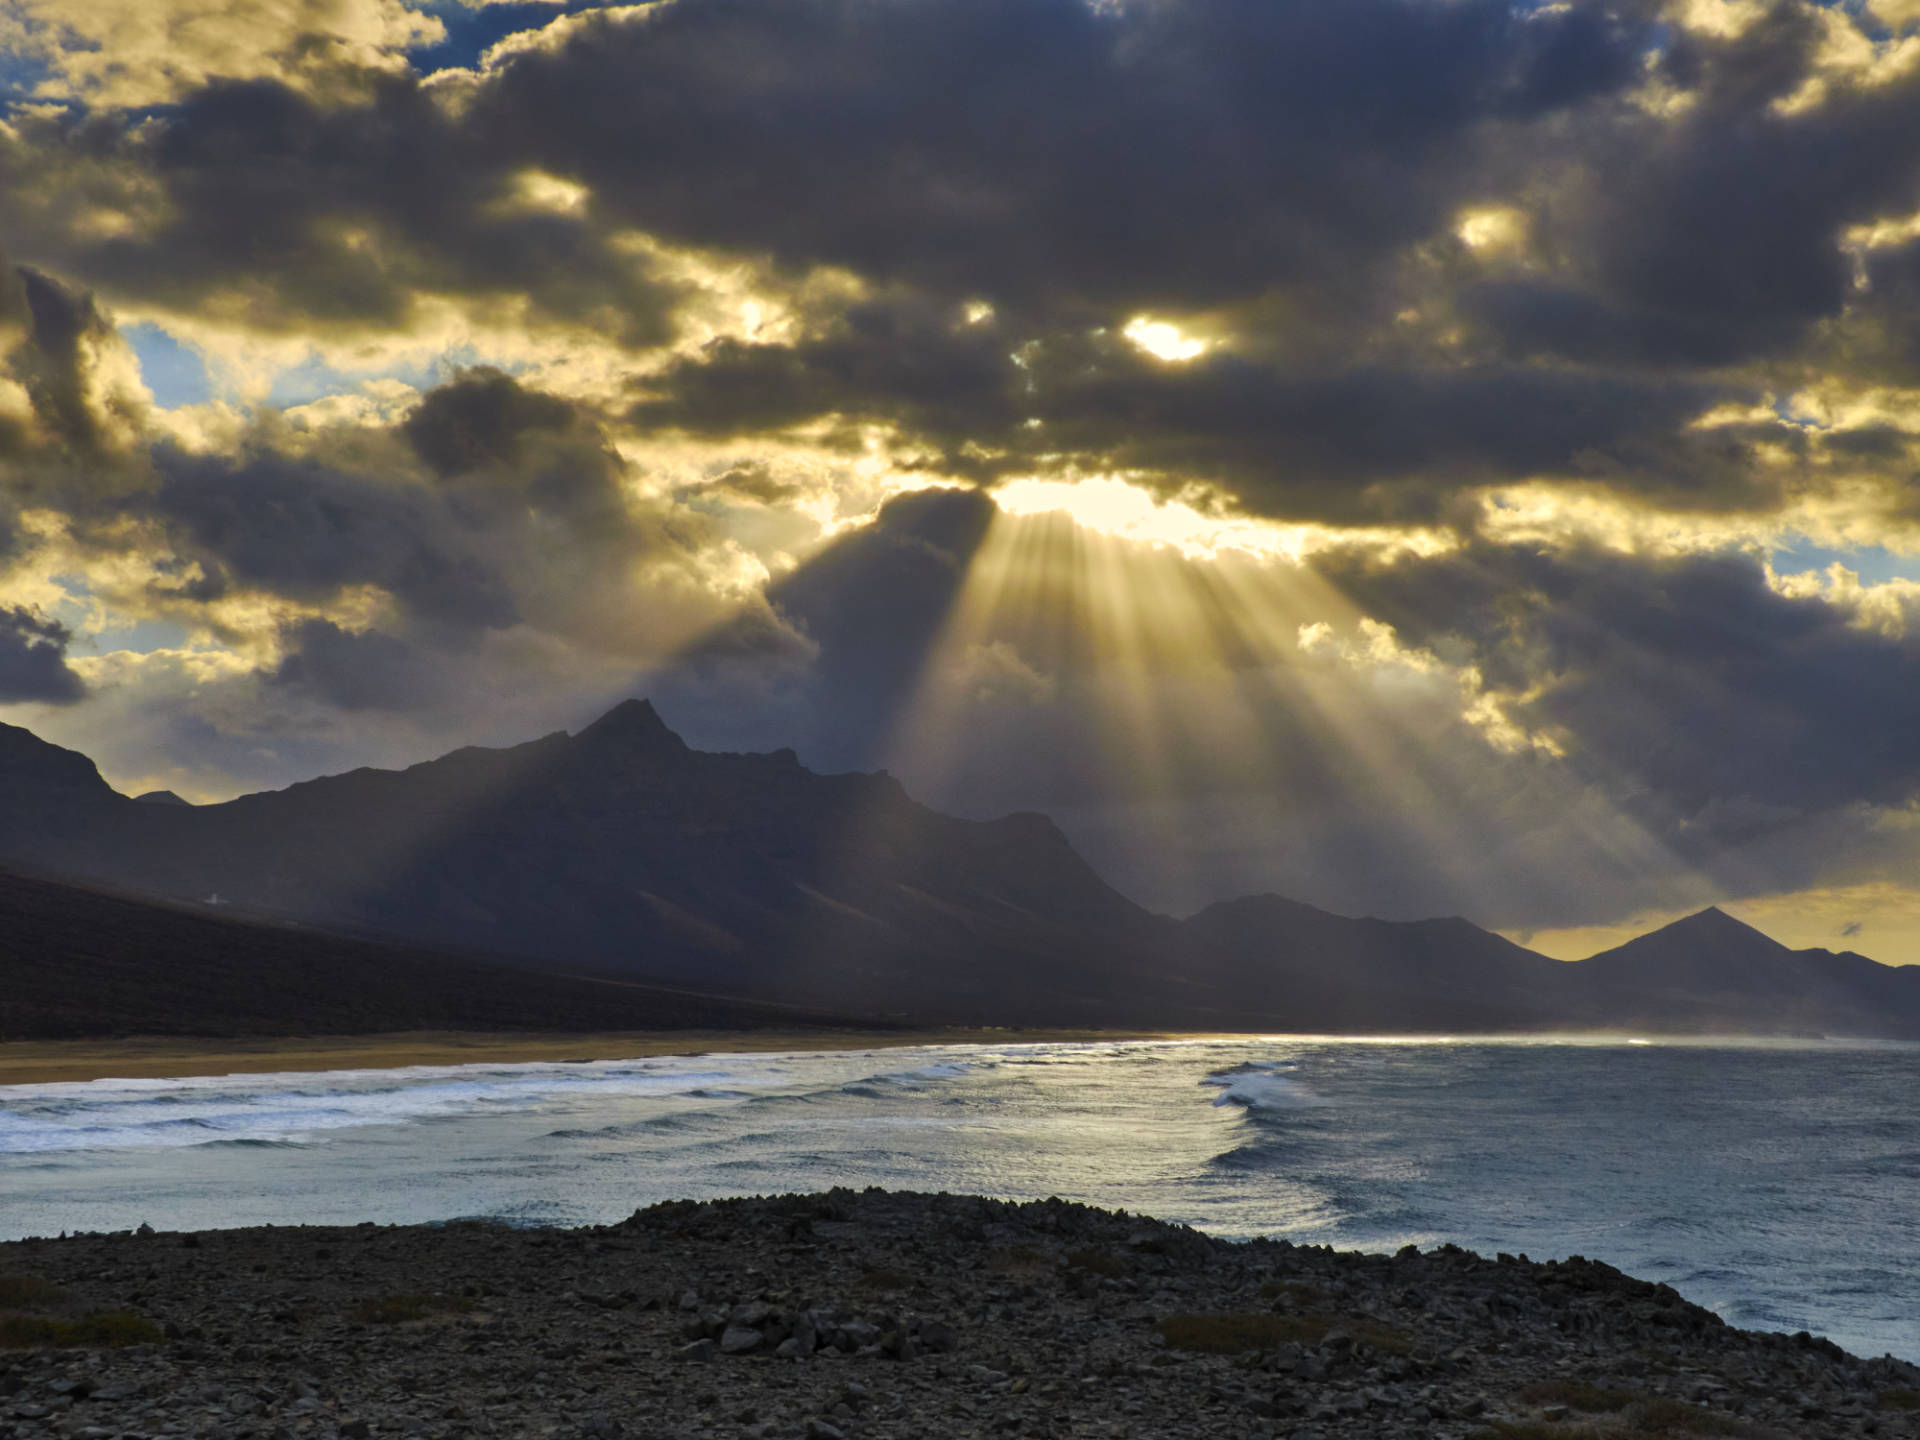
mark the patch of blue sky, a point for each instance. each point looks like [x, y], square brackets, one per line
[472, 30]
[142, 637]
[315, 378]
[76, 611]
[1874, 564]
[20, 76]
[1863, 16]
[175, 373]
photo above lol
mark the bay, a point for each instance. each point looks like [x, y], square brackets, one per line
[1774, 1184]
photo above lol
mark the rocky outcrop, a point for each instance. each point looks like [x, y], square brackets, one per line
[880, 1316]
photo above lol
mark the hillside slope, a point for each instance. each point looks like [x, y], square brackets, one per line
[621, 853]
[77, 962]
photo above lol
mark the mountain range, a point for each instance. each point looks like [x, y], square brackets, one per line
[617, 872]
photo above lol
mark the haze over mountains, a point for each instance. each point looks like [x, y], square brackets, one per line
[618, 854]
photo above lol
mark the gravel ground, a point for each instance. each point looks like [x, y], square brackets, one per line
[878, 1316]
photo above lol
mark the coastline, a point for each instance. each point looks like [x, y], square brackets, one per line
[41, 1062]
[882, 1316]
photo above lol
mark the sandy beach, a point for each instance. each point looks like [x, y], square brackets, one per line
[39, 1062]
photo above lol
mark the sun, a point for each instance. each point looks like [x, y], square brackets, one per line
[1123, 509]
[1163, 341]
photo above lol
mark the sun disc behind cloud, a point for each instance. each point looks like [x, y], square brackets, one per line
[1162, 340]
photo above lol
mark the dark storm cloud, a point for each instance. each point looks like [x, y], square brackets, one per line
[481, 419]
[1043, 152]
[831, 666]
[63, 321]
[365, 670]
[1712, 237]
[1040, 150]
[56, 329]
[909, 363]
[331, 212]
[304, 529]
[1888, 318]
[33, 659]
[903, 362]
[521, 498]
[1371, 443]
[1074, 164]
[1302, 446]
[1689, 681]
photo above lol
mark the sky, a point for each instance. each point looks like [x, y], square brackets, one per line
[1415, 456]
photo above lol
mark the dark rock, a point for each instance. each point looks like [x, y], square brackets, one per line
[537, 1360]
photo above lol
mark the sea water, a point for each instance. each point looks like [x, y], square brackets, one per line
[1773, 1184]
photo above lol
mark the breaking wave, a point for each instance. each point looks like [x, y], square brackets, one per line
[1261, 1085]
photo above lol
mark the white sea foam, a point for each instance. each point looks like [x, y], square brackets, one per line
[1260, 1085]
[1806, 1159]
[920, 1076]
[142, 1114]
[943, 1070]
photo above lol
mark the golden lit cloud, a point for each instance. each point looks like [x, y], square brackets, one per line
[1492, 230]
[1719, 19]
[1889, 607]
[1848, 515]
[1849, 59]
[1895, 14]
[744, 297]
[1109, 505]
[535, 192]
[148, 52]
[1163, 340]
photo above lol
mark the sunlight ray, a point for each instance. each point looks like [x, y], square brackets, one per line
[1231, 684]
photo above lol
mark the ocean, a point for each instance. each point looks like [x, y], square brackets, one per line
[1775, 1184]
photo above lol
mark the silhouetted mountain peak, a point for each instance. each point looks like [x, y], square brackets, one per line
[619, 851]
[633, 723]
[160, 797]
[1713, 926]
[1246, 908]
[35, 771]
[1708, 951]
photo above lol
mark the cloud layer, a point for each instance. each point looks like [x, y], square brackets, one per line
[1486, 430]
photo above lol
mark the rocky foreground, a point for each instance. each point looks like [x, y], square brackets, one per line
[878, 1316]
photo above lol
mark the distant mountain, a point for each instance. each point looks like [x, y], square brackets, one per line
[621, 853]
[1711, 972]
[1325, 972]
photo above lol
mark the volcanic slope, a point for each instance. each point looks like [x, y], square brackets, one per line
[79, 962]
[620, 852]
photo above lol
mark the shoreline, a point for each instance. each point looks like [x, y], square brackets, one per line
[883, 1316]
[172, 1057]
[42, 1062]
